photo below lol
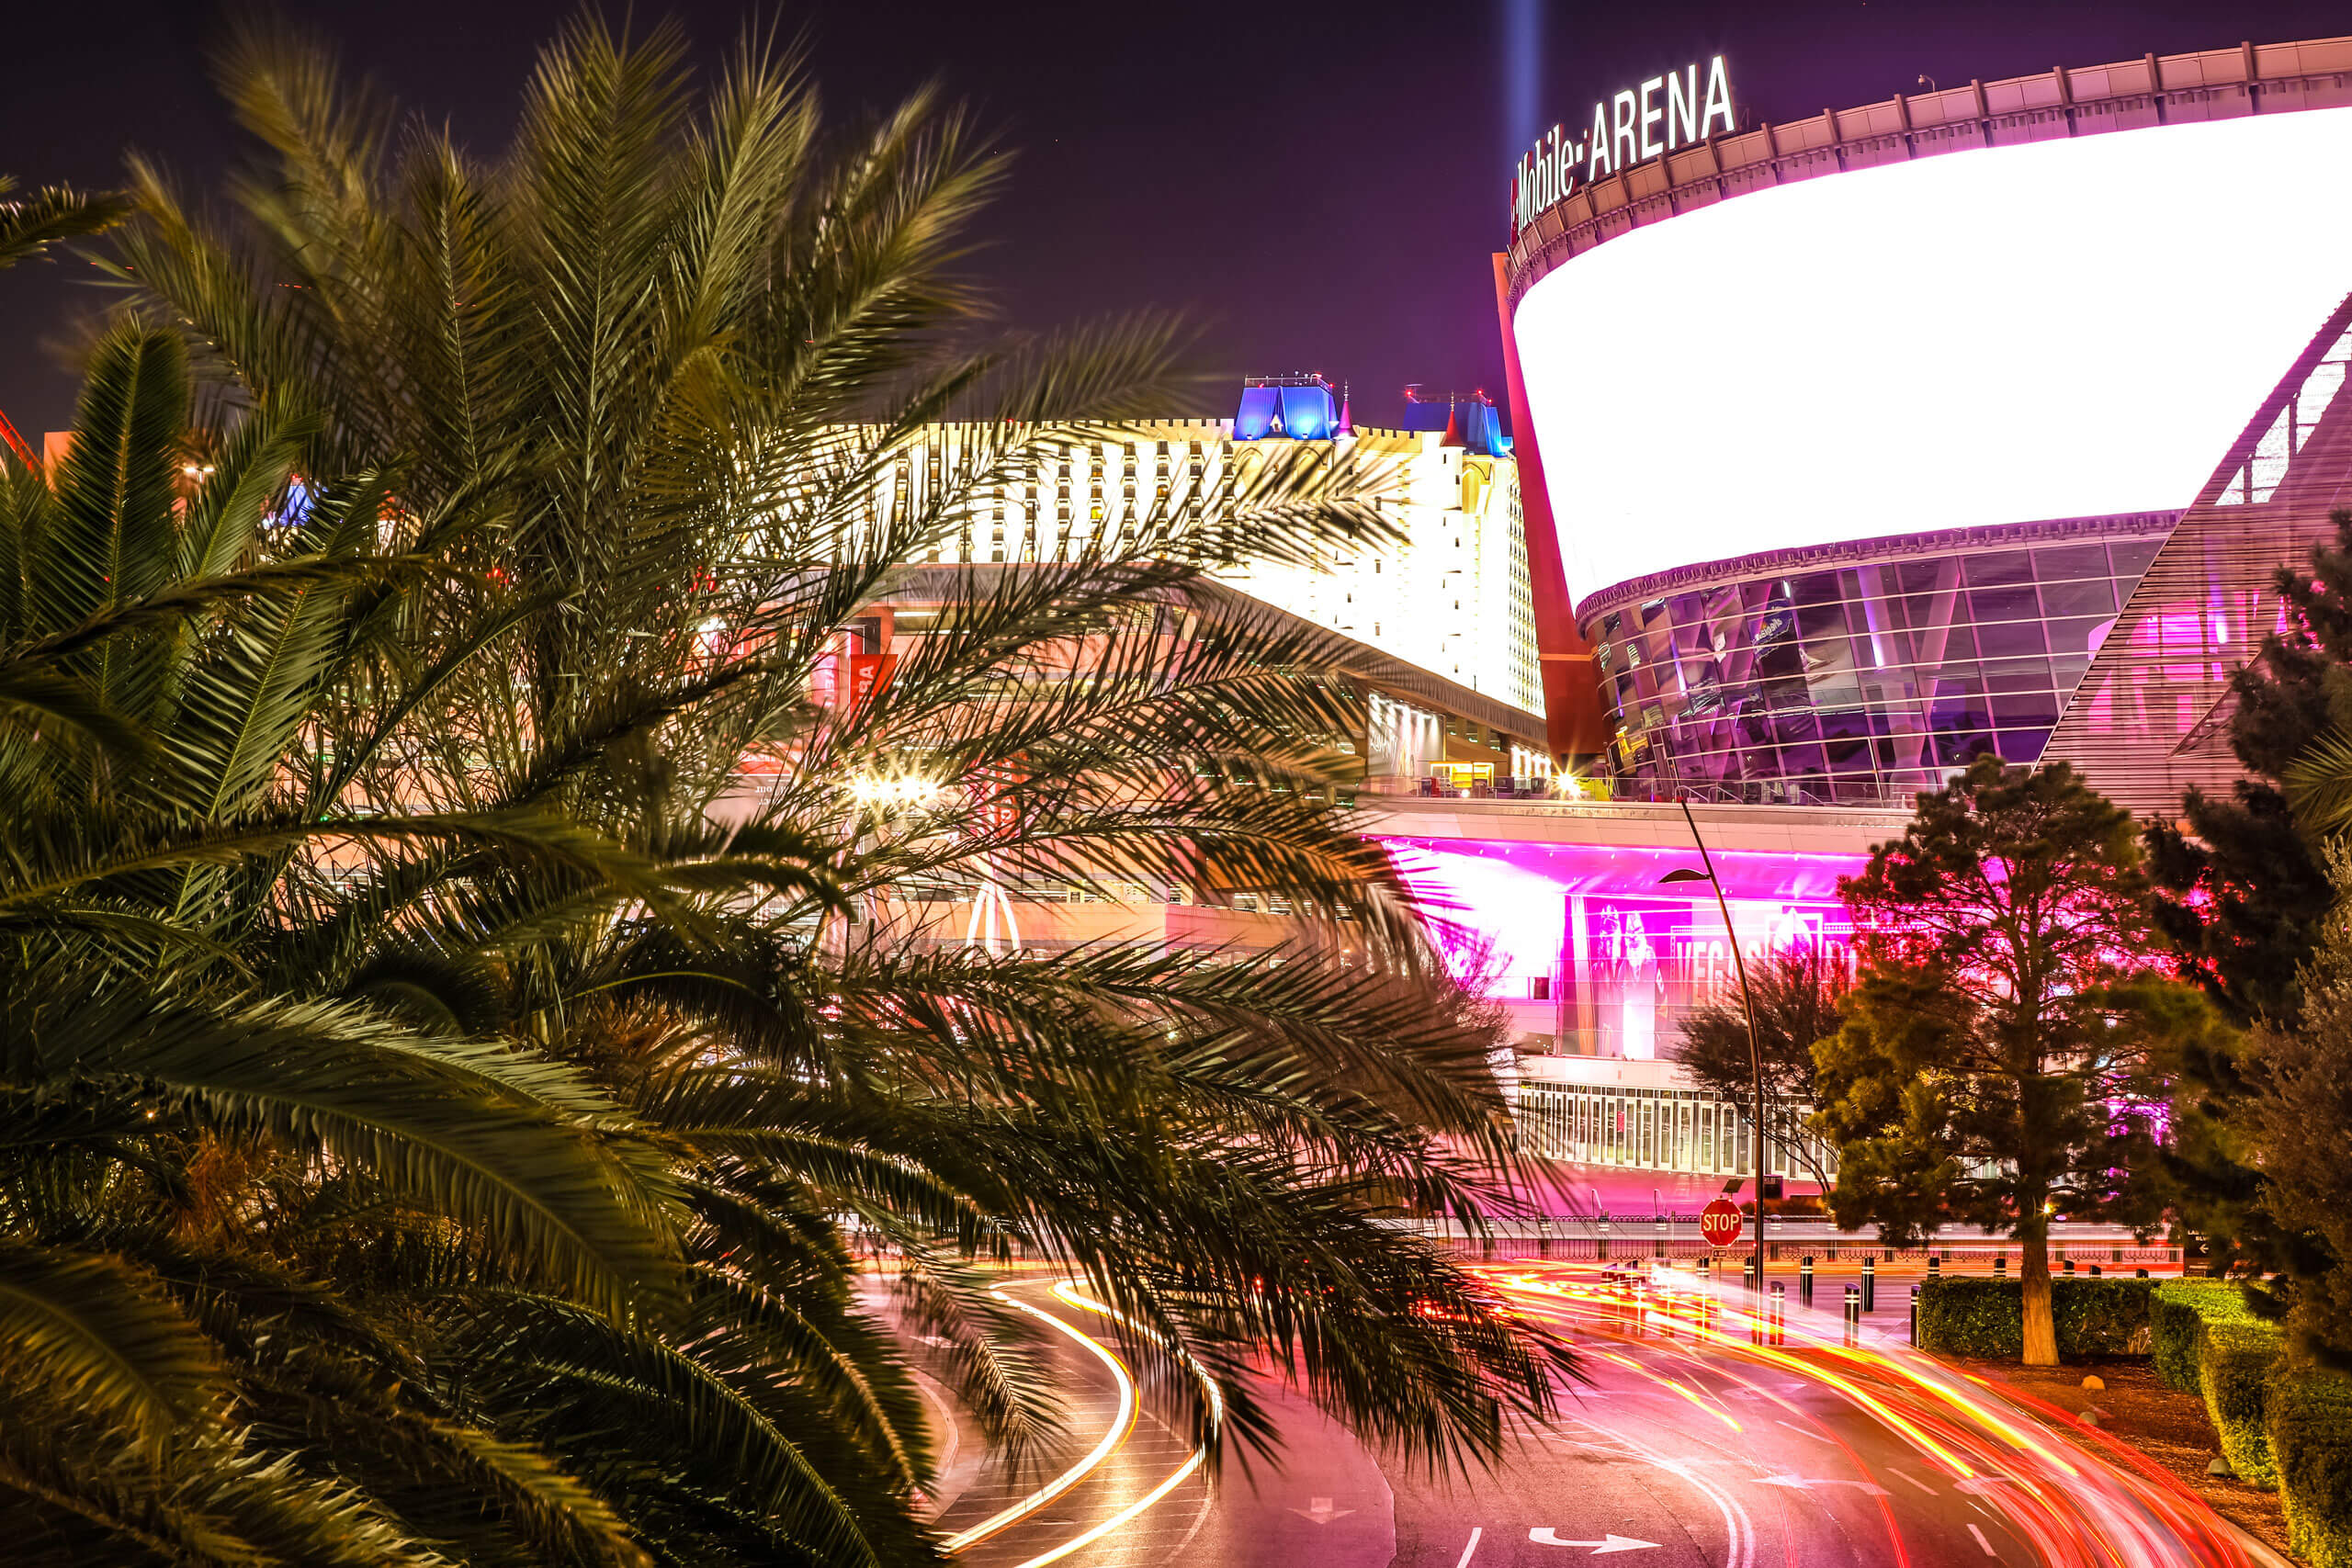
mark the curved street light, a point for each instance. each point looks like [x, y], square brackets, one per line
[1748, 1006]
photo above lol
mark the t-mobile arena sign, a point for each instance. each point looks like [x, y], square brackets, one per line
[1663, 115]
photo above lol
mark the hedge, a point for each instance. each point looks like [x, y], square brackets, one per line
[2235, 1369]
[1987, 1317]
[2208, 1342]
[2310, 1431]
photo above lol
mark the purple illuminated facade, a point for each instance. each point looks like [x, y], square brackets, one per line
[1862, 672]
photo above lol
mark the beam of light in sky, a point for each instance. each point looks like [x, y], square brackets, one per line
[2061, 329]
[1521, 41]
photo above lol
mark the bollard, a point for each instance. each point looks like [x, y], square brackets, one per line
[2139, 1273]
[1869, 1284]
[1935, 1264]
[1659, 1247]
[1780, 1318]
[2066, 1266]
[1853, 1315]
[1641, 1307]
[2094, 1271]
[2000, 1265]
[1805, 1280]
[1601, 1243]
[1915, 1314]
[1706, 1269]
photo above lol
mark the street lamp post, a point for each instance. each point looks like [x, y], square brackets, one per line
[1748, 1006]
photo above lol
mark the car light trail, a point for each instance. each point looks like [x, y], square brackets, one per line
[2094, 1505]
[1090, 1537]
[1121, 1426]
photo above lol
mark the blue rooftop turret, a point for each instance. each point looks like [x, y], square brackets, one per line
[1298, 408]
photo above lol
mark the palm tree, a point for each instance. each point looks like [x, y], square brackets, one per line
[169, 632]
[31, 224]
[635, 390]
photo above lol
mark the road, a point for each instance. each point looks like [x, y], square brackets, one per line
[1691, 1444]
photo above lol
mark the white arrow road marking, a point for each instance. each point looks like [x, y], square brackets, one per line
[1318, 1510]
[1543, 1536]
[1475, 1532]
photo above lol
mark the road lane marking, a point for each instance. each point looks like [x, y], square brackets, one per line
[1475, 1532]
[1805, 1484]
[1318, 1511]
[1982, 1541]
[1913, 1480]
[1607, 1543]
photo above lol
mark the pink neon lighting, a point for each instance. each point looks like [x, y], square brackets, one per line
[2065, 328]
[1625, 956]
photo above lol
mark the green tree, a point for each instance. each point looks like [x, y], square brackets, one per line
[2004, 1020]
[2242, 891]
[1797, 991]
[577, 803]
[2293, 1120]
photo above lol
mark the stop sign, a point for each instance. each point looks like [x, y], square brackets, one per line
[1719, 1223]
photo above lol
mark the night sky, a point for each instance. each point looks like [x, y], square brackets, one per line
[1315, 186]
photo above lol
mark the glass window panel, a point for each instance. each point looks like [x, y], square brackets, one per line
[1822, 619]
[2092, 597]
[2074, 634]
[2024, 708]
[1959, 746]
[1995, 568]
[2009, 638]
[2132, 556]
[1813, 588]
[1959, 643]
[2070, 560]
[2015, 674]
[2005, 605]
[2023, 746]
[1921, 576]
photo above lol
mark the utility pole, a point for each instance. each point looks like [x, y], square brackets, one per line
[1748, 1006]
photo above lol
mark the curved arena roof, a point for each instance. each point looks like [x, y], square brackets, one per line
[2059, 295]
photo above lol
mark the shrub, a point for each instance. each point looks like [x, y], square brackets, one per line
[2235, 1369]
[2208, 1342]
[2176, 1334]
[1987, 1317]
[2310, 1438]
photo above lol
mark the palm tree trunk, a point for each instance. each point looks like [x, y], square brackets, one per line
[2040, 1323]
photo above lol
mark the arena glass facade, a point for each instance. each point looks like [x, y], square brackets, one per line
[1859, 672]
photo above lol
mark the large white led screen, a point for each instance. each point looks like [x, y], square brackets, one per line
[2058, 330]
